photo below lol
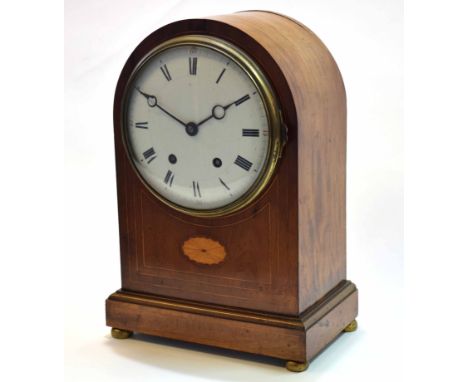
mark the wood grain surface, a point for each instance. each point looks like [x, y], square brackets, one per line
[287, 337]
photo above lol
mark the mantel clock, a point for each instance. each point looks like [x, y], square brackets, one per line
[230, 144]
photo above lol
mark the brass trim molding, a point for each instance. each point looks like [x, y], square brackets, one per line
[302, 322]
[276, 126]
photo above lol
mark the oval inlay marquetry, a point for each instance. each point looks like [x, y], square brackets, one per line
[204, 251]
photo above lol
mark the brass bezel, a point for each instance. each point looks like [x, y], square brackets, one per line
[269, 99]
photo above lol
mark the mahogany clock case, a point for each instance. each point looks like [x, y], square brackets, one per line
[281, 289]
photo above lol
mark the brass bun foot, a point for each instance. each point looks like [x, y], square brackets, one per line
[352, 327]
[120, 334]
[297, 367]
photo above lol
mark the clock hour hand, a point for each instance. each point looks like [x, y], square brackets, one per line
[153, 101]
[218, 111]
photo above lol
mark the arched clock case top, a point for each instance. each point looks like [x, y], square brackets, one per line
[277, 130]
[266, 274]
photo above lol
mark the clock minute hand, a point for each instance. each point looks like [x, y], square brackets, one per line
[218, 111]
[153, 101]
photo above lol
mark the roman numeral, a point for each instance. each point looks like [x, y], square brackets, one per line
[220, 75]
[250, 133]
[169, 178]
[196, 189]
[149, 155]
[166, 72]
[241, 100]
[193, 65]
[224, 184]
[141, 125]
[243, 163]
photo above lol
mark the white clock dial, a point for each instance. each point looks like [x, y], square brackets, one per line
[197, 127]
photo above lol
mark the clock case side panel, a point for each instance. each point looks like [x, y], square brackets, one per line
[320, 103]
[321, 97]
[141, 272]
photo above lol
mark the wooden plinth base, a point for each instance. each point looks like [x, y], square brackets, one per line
[297, 339]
